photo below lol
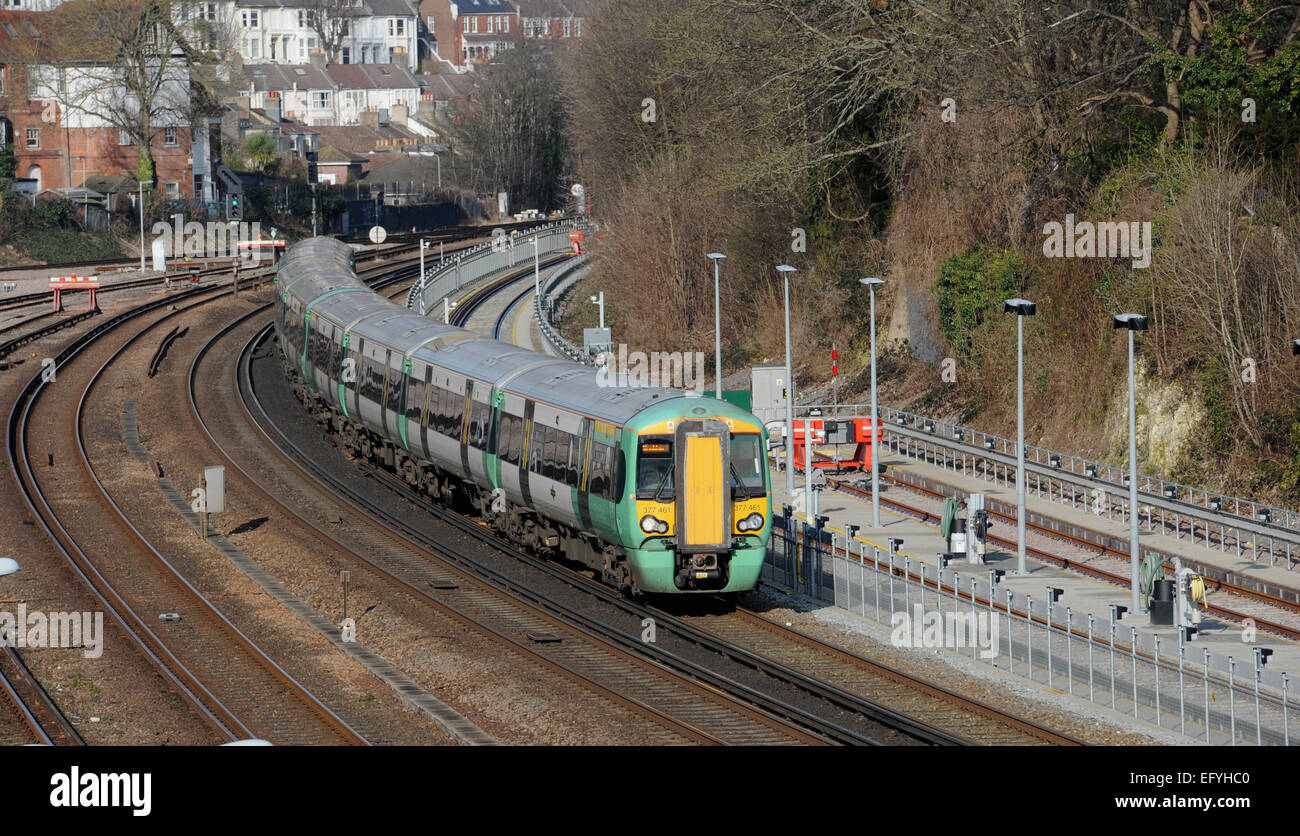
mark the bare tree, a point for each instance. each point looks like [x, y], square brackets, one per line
[129, 65]
[331, 20]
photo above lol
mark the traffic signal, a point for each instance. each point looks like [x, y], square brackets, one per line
[234, 207]
[311, 167]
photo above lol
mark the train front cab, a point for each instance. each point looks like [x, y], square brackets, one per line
[702, 505]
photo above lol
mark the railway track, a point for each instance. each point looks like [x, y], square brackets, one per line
[596, 652]
[940, 708]
[87, 520]
[34, 711]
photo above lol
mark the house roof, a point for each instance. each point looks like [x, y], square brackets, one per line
[329, 155]
[391, 8]
[110, 185]
[485, 7]
[371, 76]
[404, 168]
[362, 139]
[21, 37]
[266, 77]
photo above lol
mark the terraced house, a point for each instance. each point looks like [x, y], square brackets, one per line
[286, 31]
[70, 115]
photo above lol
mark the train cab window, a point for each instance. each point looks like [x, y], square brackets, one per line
[654, 468]
[746, 465]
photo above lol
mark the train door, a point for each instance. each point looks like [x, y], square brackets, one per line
[399, 402]
[702, 453]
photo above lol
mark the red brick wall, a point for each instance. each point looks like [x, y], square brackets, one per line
[68, 156]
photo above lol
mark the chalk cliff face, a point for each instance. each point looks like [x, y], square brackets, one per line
[1168, 417]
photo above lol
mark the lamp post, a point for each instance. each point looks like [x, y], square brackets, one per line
[447, 307]
[871, 283]
[438, 157]
[786, 270]
[537, 275]
[717, 324]
[600, 300]
[140, 208]
[1132, 322]
[424, 245]
[1021, 308]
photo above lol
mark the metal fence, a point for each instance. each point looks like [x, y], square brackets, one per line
[1181, 687]
[468, 266]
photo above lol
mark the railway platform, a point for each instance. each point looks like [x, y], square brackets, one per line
[1086, 596]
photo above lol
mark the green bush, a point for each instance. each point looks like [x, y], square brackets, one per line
[970, 285]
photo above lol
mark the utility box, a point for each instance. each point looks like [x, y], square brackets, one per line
[767, 385]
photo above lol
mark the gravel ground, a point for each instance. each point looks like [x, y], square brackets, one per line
[1052, 708]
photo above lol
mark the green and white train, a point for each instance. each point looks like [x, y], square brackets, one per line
[661, 490]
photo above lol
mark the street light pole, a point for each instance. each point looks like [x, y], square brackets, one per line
[1132, 322]
[1021, 308]
[537, 274]
[140, 208]
[871, 283]
[786, 270]
[600, 300]
[717, 324]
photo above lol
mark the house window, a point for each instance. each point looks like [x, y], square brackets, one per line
[2, 81]
[320, 99]
[346, 56]
[567, 24]
[173, 190]
[491, 23]
[254, 47]
[475, 24]
[249, 19]
[33, 137]
[577, 28]
[124, 138]
[431, 32]
[210, 11]
[466, 26]
[505, 22]
[169, 137]
[396, 27]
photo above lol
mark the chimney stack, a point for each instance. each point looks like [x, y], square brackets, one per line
[317, 58]
[272, 107]
[370, 117]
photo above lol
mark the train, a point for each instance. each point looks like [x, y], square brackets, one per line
[658, 490]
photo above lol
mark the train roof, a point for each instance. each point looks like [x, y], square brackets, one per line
[319, 272]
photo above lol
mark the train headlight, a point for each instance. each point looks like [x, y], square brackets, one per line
[751, 523]
[653, 525]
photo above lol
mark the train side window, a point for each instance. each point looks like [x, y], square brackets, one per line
[414, 395]
[396, 380]
[575, 460]
[536, 448]
[598, 470]
[456, 413]
[511, 438]
[477, 425]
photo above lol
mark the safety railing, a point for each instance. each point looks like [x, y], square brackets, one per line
[1225, 523]
[503, 252]
[1178, 686]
